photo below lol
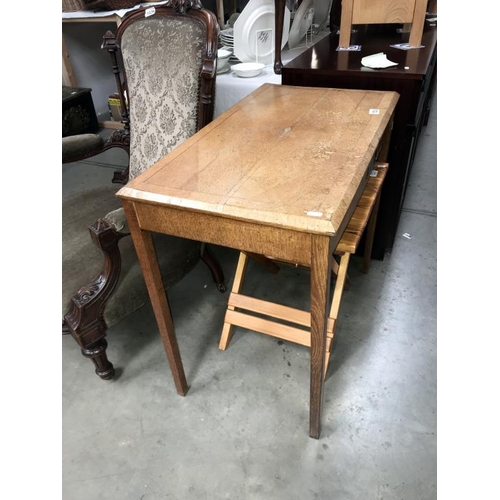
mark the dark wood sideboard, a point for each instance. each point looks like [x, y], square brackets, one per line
[413, 78]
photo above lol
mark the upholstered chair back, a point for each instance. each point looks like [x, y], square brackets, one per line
[164, 57]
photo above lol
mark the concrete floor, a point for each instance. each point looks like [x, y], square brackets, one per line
[242, 430]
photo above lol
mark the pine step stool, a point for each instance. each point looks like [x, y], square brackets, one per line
[242, 310]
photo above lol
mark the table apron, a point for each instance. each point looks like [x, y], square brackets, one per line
[278, 242]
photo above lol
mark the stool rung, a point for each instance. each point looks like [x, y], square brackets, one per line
[272, 309]
[272, 328]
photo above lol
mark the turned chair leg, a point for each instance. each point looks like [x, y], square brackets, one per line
[209, 259]
[95, 351]
[97, 354]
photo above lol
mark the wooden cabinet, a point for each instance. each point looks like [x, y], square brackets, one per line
[413, 78]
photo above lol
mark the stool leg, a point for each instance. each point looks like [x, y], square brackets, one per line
[335, 270]
[227, 329]
[337, 297]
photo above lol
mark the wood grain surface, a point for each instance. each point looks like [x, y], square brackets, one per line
[291, 157]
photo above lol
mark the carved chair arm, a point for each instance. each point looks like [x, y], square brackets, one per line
[81, 146]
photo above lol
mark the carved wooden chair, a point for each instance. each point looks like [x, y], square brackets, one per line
[169, 68]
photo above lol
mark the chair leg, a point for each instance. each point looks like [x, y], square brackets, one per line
[95, 350]
[97, 354]
[209, 259]
[85, 319]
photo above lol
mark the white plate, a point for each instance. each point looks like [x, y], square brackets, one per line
[226, 36]
[256, 16]
[302, 21]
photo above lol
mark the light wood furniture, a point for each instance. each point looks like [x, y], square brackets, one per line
[280, 173]
[268, 317]
[408, 12]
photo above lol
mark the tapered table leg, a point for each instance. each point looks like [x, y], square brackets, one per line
[321, 252]
[146, 254]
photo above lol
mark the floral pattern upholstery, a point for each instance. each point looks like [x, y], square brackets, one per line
[162, 66]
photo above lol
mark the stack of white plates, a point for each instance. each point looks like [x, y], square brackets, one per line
[226, 38]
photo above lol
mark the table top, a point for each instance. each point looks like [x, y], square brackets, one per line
[323, 56]
[285, 156]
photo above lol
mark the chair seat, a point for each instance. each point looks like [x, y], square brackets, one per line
[82, 260]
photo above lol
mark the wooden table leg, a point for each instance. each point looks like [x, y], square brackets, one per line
[146, 253]
[321, 252]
